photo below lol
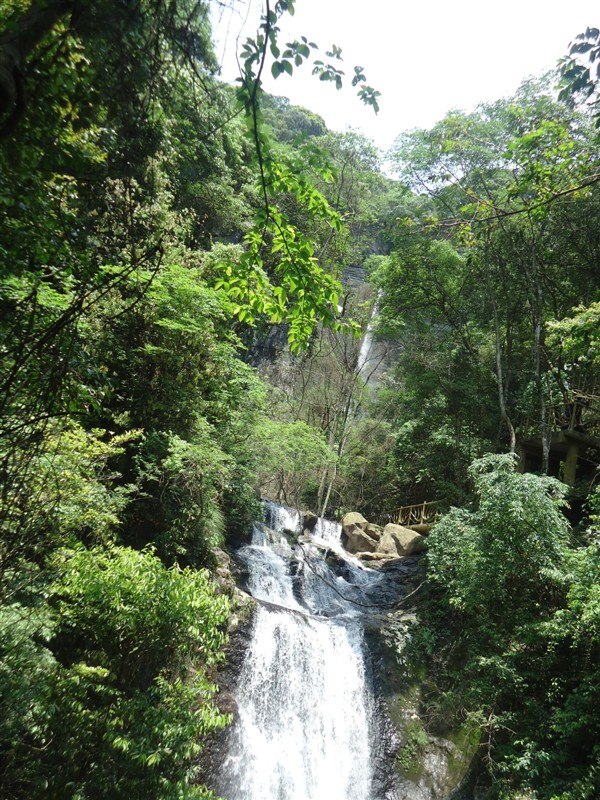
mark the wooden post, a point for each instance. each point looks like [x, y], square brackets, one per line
[571, 463]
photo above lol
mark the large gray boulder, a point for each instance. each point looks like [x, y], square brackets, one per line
[399, 541]
[374, 531]
[355, 540]
[374, 556]
[354, 518]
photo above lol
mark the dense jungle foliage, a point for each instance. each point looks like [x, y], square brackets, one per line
[177, 341]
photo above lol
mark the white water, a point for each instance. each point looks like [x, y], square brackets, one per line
[328, 532]
[369, 355]
[282, 518]
[302, 730]
[364, 355]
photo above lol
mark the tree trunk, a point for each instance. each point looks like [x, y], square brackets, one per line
[532, 269]
[544, 431]
[324, 476]
[537, 360]
[500, 374]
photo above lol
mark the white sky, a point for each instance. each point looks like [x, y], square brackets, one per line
[424, 56]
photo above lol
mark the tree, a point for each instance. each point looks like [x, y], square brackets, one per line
[112, 706]
[493, 182]
[509, 601]
[579, 69]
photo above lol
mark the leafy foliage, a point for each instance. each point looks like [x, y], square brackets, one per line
[579, 69]
[157, 226]
[504, 628]
[494, 561]
[484, 290]
[114, 703]
[296, 288]
[151, 224]
[290, 457]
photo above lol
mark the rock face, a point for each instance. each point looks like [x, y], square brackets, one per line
[399, 541]
[239, 629]
[412, 762]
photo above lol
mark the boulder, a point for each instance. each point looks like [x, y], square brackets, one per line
[399, 541]
[354, 518]
[355, 540]
[375, 556]
[310, 521]
[374, 531]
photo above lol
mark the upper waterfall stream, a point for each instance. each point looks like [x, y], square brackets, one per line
[304, 722]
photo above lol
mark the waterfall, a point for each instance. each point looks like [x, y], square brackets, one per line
[372, 355]
[303, 726]
[304, 722]
[328, 532]
[365, 355]
[281, 518]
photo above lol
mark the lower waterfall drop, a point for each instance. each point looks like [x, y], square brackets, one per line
[304, 709]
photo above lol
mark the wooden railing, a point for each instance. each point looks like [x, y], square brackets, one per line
[418, 514]
[581, 415]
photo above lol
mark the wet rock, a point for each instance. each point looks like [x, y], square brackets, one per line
[336, 561]
[240, 629]
[412, 762]
[310, 522]
[374, 556]
[400, 541]
[406, 565]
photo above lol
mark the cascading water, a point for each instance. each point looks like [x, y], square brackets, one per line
[303, 727]
[365, 356]
[328, 532]
[281, 518]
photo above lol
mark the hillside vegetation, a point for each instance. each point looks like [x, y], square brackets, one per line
[177, 342]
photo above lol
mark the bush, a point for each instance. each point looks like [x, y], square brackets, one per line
[500, 561]
[120, 695]
[511, 630]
